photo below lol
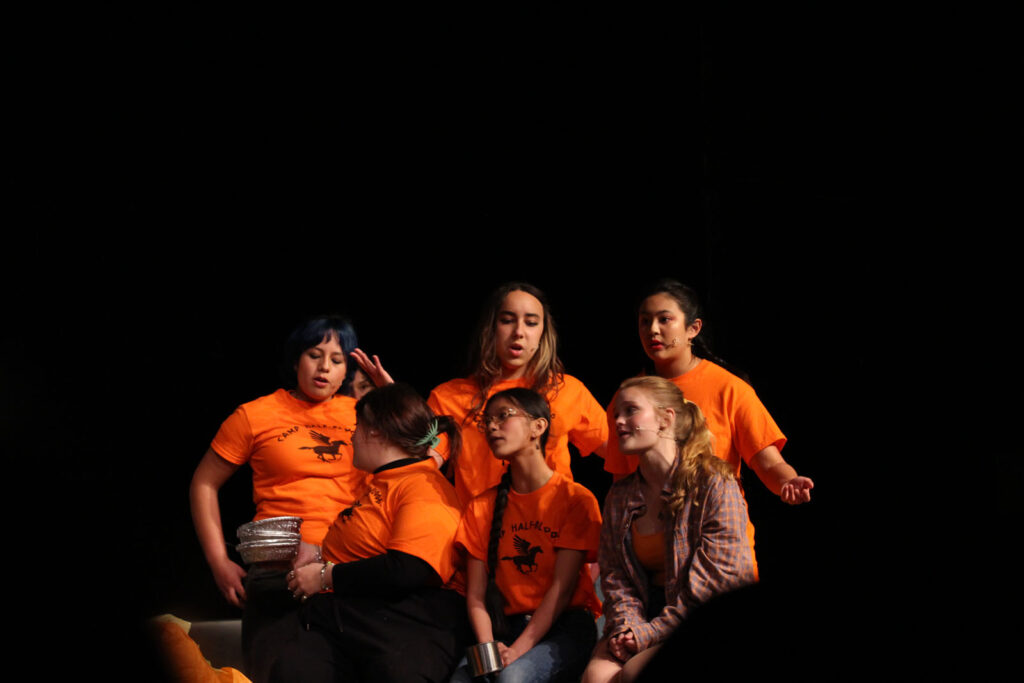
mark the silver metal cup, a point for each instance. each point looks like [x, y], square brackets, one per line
[483, 659]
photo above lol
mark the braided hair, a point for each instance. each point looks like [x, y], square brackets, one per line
[534, 405]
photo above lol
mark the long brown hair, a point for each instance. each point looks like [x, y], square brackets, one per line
[696, 461]
[545, 369]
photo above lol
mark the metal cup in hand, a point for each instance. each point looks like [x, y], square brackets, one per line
[483, 659]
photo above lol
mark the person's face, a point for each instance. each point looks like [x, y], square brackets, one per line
[519, 329]
[321, 370]
[664, 331]
[509, 429]
[637, 421]
[361, 385]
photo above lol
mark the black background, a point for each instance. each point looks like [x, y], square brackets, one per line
[202, 178]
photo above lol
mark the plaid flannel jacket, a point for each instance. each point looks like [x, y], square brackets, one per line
[707, 551]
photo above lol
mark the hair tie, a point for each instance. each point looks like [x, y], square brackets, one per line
[431, 436]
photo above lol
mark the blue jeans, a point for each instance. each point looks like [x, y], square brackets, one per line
[560, 656]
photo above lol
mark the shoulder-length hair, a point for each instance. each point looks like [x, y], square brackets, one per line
[545, 370]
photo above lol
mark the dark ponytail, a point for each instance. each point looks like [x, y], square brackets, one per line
[494, 601]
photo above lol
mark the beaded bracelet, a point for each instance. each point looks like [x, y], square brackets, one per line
[323, 575]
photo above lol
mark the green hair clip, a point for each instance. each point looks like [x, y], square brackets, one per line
[431, 436]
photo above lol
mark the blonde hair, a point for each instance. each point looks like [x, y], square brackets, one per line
[696, 461]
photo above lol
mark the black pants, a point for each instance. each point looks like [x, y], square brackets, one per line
[417, 637]
[267, 601]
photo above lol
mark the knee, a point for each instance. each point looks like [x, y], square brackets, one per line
[602, 667]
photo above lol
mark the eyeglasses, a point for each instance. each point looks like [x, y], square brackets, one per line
[484, 422]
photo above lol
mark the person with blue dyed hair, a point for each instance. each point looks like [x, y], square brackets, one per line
[298, 443]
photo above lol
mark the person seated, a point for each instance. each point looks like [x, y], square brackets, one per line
[528, 587]
[384, 605]
[674, 531]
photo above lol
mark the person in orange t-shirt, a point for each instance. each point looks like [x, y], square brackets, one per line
[516, 346]
[298, 444]
[526, 542]
[743, 430]
[385, 606]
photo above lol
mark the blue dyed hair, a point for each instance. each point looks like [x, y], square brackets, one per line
[313, 331]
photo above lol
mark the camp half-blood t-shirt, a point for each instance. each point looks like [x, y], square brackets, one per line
[576, 417]
[300, 454]
[411, 508]
[560, 514]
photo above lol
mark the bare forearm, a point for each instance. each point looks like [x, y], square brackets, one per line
[775, 476]
[551, 606]
[480, 620]
[773, 471]
[476, 589]
[209, 476]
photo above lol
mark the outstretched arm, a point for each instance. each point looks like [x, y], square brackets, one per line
[209, 476]
[780, 477]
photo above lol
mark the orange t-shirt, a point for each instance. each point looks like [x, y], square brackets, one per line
[560, 514]
[301, 457]
[576, 416]
[740, 425]
[411, 508]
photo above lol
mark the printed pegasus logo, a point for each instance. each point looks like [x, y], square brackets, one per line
[328, 452]
[346, 514]
[526, 560]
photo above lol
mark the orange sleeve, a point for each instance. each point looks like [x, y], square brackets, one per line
[234, 440]
[753, 428]
[475, 526]
[582, 527]
[591, 428]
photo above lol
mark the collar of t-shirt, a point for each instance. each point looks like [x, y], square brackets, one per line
[401, 462]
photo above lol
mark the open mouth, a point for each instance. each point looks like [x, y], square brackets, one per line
[320, 382]
[516, 350]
